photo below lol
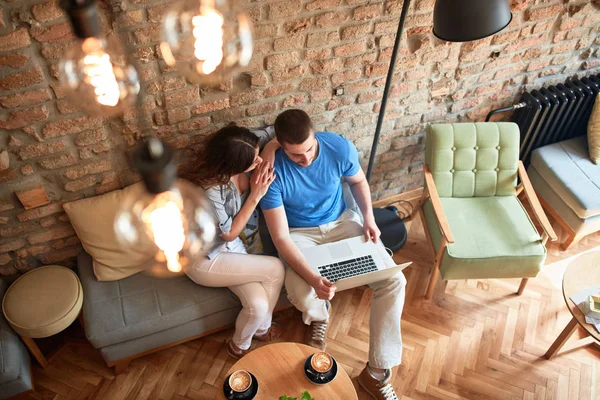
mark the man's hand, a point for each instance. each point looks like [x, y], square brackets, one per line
[372, 232]
[325, 290]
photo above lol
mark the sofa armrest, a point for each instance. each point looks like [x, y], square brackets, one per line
[437, 205]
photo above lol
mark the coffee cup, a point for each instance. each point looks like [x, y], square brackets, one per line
[321, 362]
[240, 382]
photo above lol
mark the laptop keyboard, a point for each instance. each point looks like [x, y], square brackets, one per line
[346, 269]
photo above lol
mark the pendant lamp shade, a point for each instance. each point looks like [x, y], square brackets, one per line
[466, 20]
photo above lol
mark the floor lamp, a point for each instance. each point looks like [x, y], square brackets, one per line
[453, 21]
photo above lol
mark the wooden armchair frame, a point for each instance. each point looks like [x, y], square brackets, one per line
[447, 237]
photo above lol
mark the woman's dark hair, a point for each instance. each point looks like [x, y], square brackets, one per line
[293, 126]
[227, 152]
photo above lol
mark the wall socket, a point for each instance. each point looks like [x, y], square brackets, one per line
[339, 91]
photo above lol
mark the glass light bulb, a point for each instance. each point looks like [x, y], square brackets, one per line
[174, 222]
[98, 78]
[207, 40]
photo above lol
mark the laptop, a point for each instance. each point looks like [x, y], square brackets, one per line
[352, 262]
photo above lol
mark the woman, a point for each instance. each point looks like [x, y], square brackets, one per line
[221, 169]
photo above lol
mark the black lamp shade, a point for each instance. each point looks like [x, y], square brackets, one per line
[466, 20]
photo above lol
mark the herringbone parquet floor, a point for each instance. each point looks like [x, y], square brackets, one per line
[473, 340]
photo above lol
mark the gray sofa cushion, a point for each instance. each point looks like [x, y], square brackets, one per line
[15, 375]
[141, 305]
[567, 169]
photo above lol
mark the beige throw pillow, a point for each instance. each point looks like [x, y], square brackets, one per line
[594, 133]
[93, 220]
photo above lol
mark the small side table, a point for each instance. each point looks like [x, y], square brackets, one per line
[279, 369]
[42, 303]
[583, 272]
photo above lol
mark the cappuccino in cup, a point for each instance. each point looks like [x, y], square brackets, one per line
[321, 362]
[240, 381]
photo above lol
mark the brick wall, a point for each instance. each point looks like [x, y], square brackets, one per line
[304, 50]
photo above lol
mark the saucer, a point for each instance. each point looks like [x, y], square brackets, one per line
[328, 376]
[248, 396]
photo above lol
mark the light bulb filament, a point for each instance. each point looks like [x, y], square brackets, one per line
[166, 223]
[208, 44]
[98, 69]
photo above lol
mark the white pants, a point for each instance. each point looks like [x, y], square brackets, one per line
[256, 280]
[385, 342]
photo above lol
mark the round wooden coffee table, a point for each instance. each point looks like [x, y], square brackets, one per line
[582, 273]
[279, 369]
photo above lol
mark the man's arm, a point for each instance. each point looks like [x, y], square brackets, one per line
[362, 193]
[278, 228]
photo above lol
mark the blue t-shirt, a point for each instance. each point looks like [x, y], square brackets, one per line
[312, 195]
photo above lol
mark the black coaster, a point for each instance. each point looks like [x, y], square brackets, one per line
[249, 395]
[317, 378]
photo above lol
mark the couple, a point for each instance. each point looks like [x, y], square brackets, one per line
[297, 182]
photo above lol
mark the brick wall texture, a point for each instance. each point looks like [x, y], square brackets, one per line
[304, 51]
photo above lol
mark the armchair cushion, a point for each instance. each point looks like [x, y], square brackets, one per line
[473, 159]
[494, 238]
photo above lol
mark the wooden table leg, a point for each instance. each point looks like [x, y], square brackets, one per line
[562, 339]
[34, 349]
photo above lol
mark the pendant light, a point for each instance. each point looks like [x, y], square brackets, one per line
[95, 71]
[166, 213]
[206, 40]
[466, 20]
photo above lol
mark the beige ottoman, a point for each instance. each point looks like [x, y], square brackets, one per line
[41, 303]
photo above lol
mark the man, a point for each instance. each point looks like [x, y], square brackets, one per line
[304, 207]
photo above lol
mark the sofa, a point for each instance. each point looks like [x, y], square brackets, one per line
[568, 185]
[15, 364]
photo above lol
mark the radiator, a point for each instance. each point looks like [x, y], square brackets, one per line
[554, 113]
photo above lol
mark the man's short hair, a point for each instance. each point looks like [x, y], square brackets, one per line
[293, 126]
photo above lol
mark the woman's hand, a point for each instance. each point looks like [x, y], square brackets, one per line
[268, 156]
[261, 179]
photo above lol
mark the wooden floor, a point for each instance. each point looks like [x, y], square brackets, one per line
[473, 340]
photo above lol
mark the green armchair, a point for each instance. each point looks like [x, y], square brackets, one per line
[472, 216]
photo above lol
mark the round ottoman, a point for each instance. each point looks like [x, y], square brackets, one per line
[41, 303]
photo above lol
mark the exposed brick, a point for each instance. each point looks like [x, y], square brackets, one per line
[64, 160]
[41, 149]
[292, 42]
[33, 251]
[178, 114]
[62, 255]
[344, 77]
[319, 54]
[366, 58]
[277, 90]
[7, 175]
[544, 12]
[87, 169]
[184, 97]
[26, 98]
[90, 137]
[294, 100]
[310, 84]
[62, 243]
[246, 98]
[357, 47]
[90, 151]
[326, 67]
[55, 51]
[286, 8]
[47, 11]
[109, 187]
[211, 106]
[11, 245]
[322, 39]
[20, 119]
[194, 124]
[147, 35]
[322, 4]
[5, 259]
[27, 170]
[368, 12]
[288, 74]
[22, 79]
[229, 115]
[13, 60]
[173, 82]
[48, 221]
[68, 126]
[261, 109]
[356, 31]
[55, 33]
[17, 230]
[135, 17]
[15, 40]
[281, 61]
[331, 19]
[81, 184]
